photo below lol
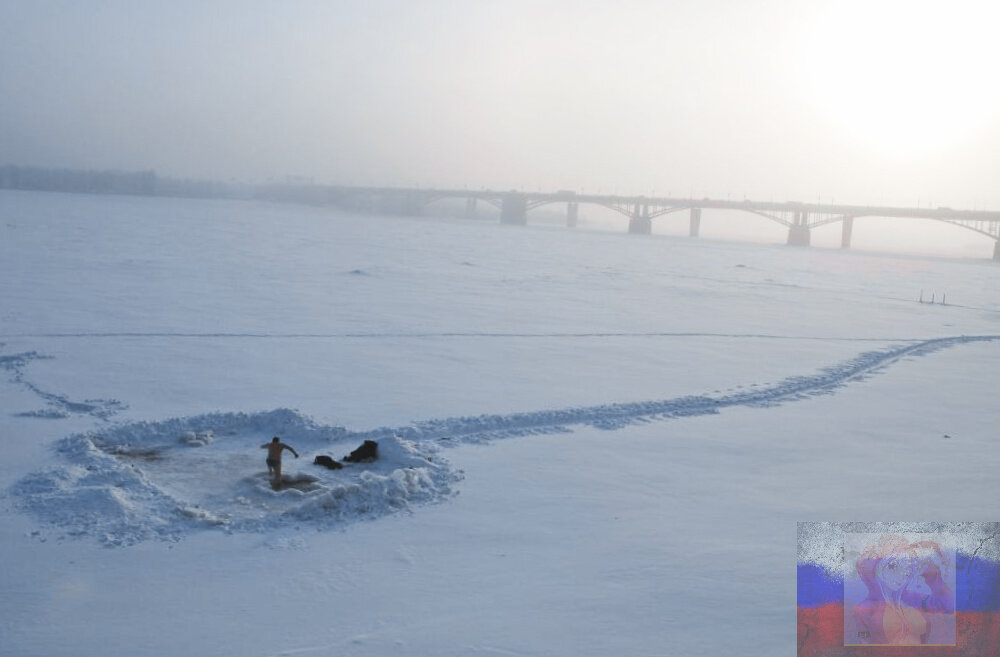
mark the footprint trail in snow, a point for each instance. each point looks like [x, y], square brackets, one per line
[615, 416]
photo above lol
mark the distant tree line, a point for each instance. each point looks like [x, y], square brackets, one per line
[148, 183]
[143, 183]
[135, 183]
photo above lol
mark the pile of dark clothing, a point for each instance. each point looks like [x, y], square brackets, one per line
[327, 462]
[366, 453]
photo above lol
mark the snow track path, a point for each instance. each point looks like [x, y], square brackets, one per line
[614, 416]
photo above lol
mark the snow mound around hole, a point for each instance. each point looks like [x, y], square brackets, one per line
[163, 480]
[197, 439]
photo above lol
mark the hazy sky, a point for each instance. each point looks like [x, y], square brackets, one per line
[858, 102]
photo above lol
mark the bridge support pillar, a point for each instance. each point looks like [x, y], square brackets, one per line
[640, 223]
[798, 232]
[845, 235]
[572, 213]
[514, 210]
[799, 236]
[695, 222]
[470, 208]
[996, 251]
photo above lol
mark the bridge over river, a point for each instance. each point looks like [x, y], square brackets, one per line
[641, 211]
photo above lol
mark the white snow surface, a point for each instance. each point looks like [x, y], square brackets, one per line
[591, 443]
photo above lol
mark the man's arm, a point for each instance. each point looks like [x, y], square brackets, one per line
[290, 449]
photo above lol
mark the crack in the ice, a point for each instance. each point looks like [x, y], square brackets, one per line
[58, 406]
[458, 334]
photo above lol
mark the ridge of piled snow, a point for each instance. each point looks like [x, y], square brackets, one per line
[161, 480]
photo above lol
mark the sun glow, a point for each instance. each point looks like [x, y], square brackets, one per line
[904, 78]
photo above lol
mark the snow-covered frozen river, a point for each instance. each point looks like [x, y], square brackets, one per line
[593, 443]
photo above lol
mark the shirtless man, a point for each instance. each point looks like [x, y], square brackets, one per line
[274, 450]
